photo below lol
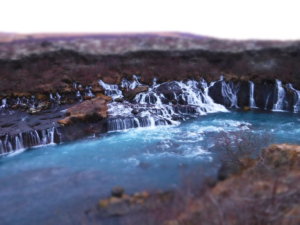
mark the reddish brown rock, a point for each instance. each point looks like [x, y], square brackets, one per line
[283, 155]
[130, 94]
[90, 110]
[105, 97]
[265, 193]
[136, 203]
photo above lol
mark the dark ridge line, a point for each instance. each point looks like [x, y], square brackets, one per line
[196, 52]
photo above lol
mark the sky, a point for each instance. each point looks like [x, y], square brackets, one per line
[234, 19]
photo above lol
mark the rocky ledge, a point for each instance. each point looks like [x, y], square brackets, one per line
[80, 111]
[89, 110]
[51, 85]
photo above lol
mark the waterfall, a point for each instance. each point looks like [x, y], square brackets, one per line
[9, 144]
[162, 104]
[88, 91]
[296, 106]
[267, 102]
[111, 90]
[278, 106]
[126, 84]
[4, 103]
[78, 95]
[55, 98]
[19, 142]
[229, 92]
[252, 104]
[58, 97]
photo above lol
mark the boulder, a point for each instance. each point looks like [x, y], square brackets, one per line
[117, 192]
[90, 110]
[132, 204]
[169, 90]
[130, 94]
[282, 156]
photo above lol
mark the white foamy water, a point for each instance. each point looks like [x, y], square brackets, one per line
[278, 105]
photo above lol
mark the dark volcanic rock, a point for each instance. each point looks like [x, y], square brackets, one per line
[265, 95]
[117, 192]
[166, 58]
[130, 94]
[243, 94]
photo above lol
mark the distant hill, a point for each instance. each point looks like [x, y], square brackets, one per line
[15, 46]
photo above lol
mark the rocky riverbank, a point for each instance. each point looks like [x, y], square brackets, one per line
[263, 191]
[82, 111]
[51, 85]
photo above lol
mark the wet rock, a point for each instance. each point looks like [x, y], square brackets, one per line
[130, 94]
[119, 100]
[246, 108]
[41, 106]
[135, 111]
[41, 97]
[117, 192]
[21, 94]
[290, 98]
[215, 92]
[264, 95]
[169, 90]
[105, 97]
[89, 110]
[243, 94]
[131, 204]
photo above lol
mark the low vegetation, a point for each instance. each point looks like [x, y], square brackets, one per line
[259, 188]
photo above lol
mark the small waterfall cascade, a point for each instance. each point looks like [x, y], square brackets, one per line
[267, 101]
[130, 85]
[252, 104]
[162, 104]
[88, 91]
[21, 141]
[78, 95]
[55, 98]
[278, 105]
[229, 92]
[81, 91]
[4, 103]
[111, 90]
[296, 106]
[30, 102]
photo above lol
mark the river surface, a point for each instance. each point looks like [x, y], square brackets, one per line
[50, 184]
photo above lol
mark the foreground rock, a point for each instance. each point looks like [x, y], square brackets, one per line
[282, 156]
[130, 94]
[131, 209]
[89, 110]
[265, 192]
